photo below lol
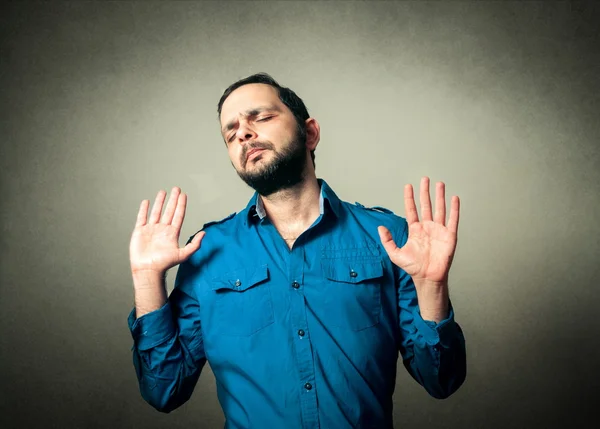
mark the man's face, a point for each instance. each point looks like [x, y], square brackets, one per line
[265, 144]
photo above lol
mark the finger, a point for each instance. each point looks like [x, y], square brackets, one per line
[412, 215]
[180, 211]
[440, 203]
[142, 214]
[454, 214]
[424, 199]
[168, 214]
[192, 246]
[387, 240]
[157, 207]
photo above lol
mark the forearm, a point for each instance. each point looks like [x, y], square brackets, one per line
[433, 300]
[437, 357]
[168, 357]
[167, 374]
[150, 293]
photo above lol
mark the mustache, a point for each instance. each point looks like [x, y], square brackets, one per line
[255, 145]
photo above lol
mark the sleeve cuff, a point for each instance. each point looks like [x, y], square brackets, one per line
[436, 333]
[151, 329]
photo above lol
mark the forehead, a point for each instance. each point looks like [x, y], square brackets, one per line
[247, 97]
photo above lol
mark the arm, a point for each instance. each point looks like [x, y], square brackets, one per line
[168, 350]
[432, 343]
[433, 353]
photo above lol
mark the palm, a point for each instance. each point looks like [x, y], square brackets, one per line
[154, 245]
[429, 250]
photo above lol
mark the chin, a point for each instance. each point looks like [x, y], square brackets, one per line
[259, 162]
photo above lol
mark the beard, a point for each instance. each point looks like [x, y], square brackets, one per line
[285, 170]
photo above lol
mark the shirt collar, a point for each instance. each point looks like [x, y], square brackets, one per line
[256, 211]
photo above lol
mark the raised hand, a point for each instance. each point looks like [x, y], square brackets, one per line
[154, 246]
[429, 251]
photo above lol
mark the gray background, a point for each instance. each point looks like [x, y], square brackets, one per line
[103, 104]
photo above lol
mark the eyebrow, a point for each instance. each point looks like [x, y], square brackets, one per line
[249, 113]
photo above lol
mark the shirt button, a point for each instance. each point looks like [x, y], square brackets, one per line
[295, 285]
[308, 386]
[353, 273]
[301, 332]
[238, 283]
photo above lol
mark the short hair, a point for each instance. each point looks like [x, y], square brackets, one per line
[286, 95]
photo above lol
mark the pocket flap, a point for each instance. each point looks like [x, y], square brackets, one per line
[351, 271]
[242, 279]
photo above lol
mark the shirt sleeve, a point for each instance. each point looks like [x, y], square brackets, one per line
[168, 349]
[433, 353]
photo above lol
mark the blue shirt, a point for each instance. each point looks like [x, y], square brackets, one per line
[301, 338]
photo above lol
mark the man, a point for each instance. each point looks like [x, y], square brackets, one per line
[300, 302]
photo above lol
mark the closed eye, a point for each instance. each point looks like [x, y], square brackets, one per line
[263, 119]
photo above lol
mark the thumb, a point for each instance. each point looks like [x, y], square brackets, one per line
[192, 246]
[386, 240]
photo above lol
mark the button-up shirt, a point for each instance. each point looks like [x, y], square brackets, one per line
[306, 337]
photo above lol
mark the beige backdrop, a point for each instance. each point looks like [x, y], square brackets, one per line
[103, 104]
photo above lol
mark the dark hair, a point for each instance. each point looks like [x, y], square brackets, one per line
[286, 95]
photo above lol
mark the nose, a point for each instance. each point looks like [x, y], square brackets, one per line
[245, 133]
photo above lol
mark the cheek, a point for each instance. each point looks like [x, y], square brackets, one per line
[234, 157]
[233, 151]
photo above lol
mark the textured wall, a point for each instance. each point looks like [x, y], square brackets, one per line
[103, 104]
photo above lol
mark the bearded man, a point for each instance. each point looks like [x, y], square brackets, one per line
[301, 302]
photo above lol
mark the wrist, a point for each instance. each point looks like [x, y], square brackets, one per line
[433, 300]
[148, 278]
[150, 292]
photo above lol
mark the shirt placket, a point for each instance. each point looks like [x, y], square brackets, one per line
[303, 347]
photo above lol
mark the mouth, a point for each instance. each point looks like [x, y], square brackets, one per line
[253, 153]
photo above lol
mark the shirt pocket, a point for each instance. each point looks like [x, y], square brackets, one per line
[352, 292]
[243, 304]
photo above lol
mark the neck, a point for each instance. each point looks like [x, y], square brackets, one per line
[293, 210]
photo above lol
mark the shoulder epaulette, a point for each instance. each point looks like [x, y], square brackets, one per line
[212, 223]
[375, 208]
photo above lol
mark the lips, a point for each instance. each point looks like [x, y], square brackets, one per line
[253, 152]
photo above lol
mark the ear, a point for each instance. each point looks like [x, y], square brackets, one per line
[313, 133]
